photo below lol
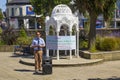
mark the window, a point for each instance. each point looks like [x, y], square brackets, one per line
[20, 23]
[7, 12]
[118, 24]
[20, 10]
[12, 12]
[16, 11]
[31, 24]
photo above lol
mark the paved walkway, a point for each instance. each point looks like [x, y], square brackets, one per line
[11, 69]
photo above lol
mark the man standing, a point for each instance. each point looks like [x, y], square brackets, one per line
[38, 44]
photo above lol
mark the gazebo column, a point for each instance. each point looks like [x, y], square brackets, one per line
[47, 50]
[58, 56]
[70, 50]
[77, 44]
[54, 50]
[65, 50]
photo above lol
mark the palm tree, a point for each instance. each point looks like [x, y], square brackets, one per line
[95, 8]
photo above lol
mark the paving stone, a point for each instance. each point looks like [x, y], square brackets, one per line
[11, 69]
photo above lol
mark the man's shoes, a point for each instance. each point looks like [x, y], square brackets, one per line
[40, 69]
[37, 72]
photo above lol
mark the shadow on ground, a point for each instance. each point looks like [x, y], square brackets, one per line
[23, 70]
[26, 70]
[14, 55]
[113, 78]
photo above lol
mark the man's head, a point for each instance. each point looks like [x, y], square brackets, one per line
[38, 34]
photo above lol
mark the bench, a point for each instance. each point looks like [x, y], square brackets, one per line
[18, 49]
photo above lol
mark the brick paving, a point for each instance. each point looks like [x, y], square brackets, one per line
[11, 69]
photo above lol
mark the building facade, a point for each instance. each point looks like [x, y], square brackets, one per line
[20, 13]
[116, 19]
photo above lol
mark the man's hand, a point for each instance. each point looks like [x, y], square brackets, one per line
[41, 46]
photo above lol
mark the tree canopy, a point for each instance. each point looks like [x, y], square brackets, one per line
[95, 8]
[45, 6]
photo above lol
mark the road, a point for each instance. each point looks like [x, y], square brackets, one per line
[11, 69]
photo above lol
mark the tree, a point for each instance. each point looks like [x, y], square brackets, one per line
[1, 15]
[109, 11]
[45, 6]
[8, 36]
[95, 8]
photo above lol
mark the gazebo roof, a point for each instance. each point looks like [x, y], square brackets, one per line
[61, 10]
[61, 15]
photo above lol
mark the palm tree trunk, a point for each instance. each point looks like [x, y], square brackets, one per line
[92, 32]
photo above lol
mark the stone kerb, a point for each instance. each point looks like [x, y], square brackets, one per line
[106, 56]
[6, 48]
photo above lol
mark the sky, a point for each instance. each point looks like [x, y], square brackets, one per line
[3, 4]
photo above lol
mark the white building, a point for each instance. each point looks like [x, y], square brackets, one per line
[20, 13]
[116, 19]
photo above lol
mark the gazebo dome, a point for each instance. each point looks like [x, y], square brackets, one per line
[61, 10]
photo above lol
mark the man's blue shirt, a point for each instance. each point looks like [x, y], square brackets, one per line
[35, 42]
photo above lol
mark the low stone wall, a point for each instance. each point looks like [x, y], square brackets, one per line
[6, 48]
[107, 56]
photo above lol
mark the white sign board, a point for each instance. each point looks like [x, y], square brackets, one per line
[61, 42]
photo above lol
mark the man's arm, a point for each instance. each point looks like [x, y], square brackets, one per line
[33, 45]
[43, 44]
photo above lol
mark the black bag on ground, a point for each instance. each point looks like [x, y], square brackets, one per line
[47, 65]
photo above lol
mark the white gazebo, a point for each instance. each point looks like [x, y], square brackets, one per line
[62, 31]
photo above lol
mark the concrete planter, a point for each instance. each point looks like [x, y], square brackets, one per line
[107, 56]
[6, 48]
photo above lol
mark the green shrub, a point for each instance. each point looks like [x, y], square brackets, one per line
[2, 42]
[93, 48]
[8, 36]
[98, 41]
[108, 44]
[24, 40]
[0, 30]
[118, 43]
[83, 44]
[22, 33]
